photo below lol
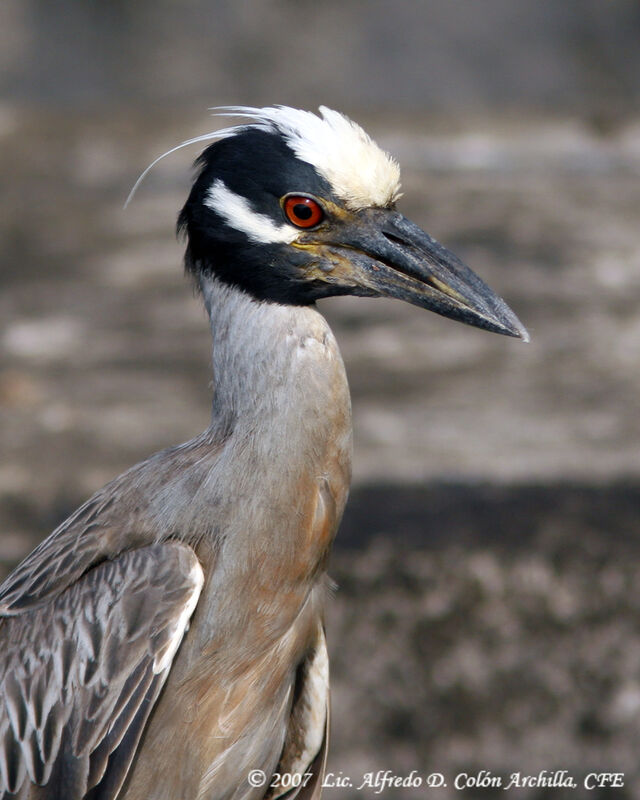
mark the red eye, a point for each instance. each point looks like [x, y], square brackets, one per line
[304, 212]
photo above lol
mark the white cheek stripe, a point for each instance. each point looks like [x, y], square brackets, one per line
[237, 212]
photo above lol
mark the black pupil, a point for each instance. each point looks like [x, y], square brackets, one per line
[302, 211]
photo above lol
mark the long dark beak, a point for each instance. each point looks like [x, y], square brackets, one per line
[392, 257]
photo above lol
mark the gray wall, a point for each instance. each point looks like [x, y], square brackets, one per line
[443, 54]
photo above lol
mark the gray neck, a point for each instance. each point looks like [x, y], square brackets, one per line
[273, 365]
[279, 439]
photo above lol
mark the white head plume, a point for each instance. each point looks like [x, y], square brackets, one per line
[359, 172]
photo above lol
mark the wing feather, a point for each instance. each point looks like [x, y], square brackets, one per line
[80, 672]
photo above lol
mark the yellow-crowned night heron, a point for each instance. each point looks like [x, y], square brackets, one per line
[167, 639]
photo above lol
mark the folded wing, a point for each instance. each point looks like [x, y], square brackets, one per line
[81, 672]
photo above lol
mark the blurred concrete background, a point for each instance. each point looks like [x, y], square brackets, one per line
[487, 611]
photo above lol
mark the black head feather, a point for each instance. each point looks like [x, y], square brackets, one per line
[259, 166]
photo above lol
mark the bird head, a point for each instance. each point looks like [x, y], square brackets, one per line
[291, 207]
